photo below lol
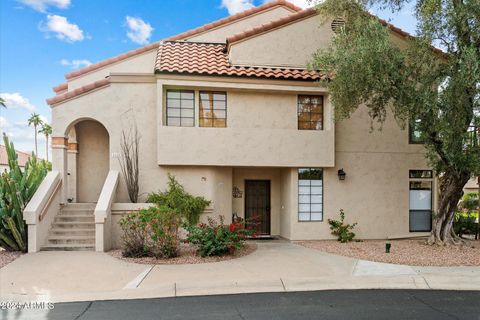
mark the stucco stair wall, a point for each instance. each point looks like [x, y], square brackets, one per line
[73, 229]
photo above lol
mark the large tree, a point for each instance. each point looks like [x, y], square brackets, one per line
[417, 84]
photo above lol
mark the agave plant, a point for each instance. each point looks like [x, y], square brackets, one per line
[17, 187]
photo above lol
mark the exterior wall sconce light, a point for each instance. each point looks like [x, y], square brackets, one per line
[341, 174]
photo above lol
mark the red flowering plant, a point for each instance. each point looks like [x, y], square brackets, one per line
[215, 238]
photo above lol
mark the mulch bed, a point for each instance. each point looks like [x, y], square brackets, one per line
[6, 257]
[408, 252]
[188, 255]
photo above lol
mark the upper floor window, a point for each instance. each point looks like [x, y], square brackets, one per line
[180, 108]
[213, 109]
[414, 133]
[310, 112]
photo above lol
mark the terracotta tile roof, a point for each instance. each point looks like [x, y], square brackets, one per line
[405, 34]
[21, 156]
[60, 87]
[203, 28]
[103, 63]
[196, 58]
[235, 17]
[304, 14]
[70, 94]
[272, 25]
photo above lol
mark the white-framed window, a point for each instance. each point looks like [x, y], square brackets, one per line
[310, 194]
[180, 108]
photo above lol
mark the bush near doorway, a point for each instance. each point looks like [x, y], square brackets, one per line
[151, 232]
[217, 239]
[342, 230]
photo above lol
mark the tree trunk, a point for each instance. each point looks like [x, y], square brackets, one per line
[451, 191]
[36, 149]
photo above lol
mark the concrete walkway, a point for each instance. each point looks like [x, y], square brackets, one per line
[276, 266]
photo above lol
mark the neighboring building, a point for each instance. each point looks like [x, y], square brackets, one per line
[471, 186]
[21, 156]
[230, 109]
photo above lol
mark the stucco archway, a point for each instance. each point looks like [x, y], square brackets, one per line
[88, 160]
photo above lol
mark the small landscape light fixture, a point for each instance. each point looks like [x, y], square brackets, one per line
[388, 245]
[341, 174]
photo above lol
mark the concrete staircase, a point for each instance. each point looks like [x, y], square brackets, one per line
[73, 229]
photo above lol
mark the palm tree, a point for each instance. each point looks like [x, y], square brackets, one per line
[2, 102]
[47, 131]
[36, 121]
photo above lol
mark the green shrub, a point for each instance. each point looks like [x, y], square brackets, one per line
[216, 239]
[342, 230]
[176, 198]
[17, 187]
[151, 232]
[469, 201]
[464, 223]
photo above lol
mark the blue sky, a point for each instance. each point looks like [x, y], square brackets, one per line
[41, 40]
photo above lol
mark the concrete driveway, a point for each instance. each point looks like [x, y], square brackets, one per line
[276, 266]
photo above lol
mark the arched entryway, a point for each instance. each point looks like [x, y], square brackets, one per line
[88, 160]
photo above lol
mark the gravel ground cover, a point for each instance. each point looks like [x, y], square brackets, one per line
[408, 252]
[188, 255]
[6, 257]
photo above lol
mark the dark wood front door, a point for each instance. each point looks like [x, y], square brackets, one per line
[257, 205]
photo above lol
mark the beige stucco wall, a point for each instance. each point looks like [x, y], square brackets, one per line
[220, 34]
[375, 193]
[376, 190]
[471, 186]
[141, 63]
[92, 159]
[261, 131]
[272, 174]
[296, 42]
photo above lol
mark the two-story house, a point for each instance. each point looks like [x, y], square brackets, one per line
[230, 109]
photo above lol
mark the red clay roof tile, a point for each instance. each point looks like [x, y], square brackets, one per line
[203, 28]
[118, 58]
[272, 25]
[71, 94]
[182, 57]
[235, 17]
[60, 87]
[304, 14]
[22, 157]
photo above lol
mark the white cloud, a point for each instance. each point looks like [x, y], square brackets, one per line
[75, 63]
[63, 29]
[42, 5]
[301, 3]
[139, 30]
[236, 6]
[16, 100]
[20, 134]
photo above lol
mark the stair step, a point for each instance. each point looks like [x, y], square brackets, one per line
[75, 224]
[81, 205]
[71, 232]
[75, 218]
[68, 247]
[76, 212]
[71, 240]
